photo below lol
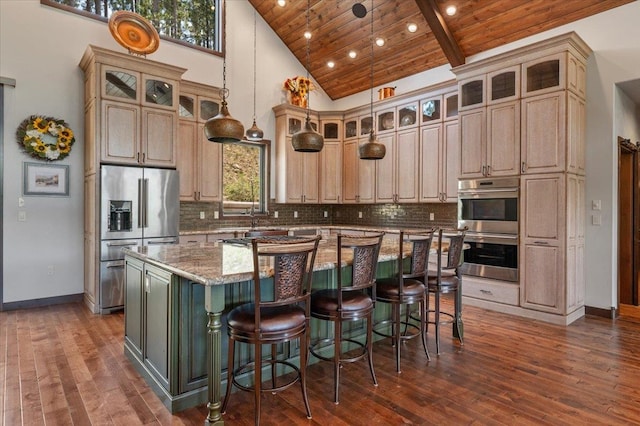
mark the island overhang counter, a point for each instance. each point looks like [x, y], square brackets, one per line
[176, 300]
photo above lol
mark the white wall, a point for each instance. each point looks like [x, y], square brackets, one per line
[40, 47]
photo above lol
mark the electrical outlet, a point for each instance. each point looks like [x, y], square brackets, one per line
[201, 215]
[359, 215]
[22, 216]
[325, 214]
[275, 214]
[216, 214]
[295, 215]
[432, 216]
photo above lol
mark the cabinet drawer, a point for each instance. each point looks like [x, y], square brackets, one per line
[491, 290]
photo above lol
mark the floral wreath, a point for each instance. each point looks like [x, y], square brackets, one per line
[45, 138]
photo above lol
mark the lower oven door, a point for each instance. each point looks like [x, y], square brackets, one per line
[491, 256]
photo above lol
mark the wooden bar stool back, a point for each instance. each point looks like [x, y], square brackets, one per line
[279, 314]
[349, 301]
[405, 289]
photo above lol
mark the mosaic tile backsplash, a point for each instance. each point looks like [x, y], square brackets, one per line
[386, 215]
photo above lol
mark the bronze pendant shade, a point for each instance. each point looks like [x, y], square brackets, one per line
[372, 150]
[307, 139]
[223, 128]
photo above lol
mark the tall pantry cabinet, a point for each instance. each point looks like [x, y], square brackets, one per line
[131, 118]
[522, 113]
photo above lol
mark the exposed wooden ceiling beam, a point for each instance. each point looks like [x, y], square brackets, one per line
[440, 30]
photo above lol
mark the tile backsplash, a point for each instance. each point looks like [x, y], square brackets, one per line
[387, 215]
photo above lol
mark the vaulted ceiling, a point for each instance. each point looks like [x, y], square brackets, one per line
[440, 39]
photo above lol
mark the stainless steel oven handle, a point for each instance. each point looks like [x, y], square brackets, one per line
[487, 191]
[492, 239]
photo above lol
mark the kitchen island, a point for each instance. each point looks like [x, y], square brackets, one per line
[176, 301]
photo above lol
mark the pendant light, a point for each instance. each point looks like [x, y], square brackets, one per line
[372, 150]
[223, 128]
[307, 139]
[254, 133]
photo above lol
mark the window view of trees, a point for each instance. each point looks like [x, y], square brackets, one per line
[244, 176]
[194, 22]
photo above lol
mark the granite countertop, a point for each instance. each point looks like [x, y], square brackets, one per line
[292, 228]
[224, 263]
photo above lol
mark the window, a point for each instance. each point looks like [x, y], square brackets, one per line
[245, 177]
[194, 23]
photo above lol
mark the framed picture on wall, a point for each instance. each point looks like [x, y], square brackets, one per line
[45, 179]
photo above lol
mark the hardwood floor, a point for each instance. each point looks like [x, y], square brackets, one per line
[62, 365]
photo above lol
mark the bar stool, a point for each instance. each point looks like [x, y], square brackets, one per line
[274, 318]
[446, 279]
[405, 289]
[350, 301]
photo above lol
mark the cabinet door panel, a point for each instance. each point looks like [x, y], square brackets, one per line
[156, 323]
[451, 160]
[407, 170]
[503, 139]
[133, 305]
[542, 211]
[385, 173]
[120, 134]
[430, 156]
[472, 150]
[331, 172]
[159, 130]
[543, 278]
[543, 147]
[350, 171]
[310, 177]
[186, 156]
[209, 168]
[366, 181]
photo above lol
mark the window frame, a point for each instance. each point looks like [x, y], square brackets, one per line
[219, 36]
[261, 209]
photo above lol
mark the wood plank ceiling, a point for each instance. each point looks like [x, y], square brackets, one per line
[478, 25]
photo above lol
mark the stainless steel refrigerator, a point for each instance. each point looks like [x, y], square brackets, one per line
[138, 206]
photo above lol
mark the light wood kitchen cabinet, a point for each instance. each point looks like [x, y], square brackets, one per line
[398, 173]
[544, 133]
[472, 92]
[490, 140]
[331, 160]
[358, 176]
[297, 173]
[199, 160]
[139, 123]
[439, 153]
[552, 243]
[331, 173]
[131, 118]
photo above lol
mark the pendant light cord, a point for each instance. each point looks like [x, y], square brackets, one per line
[254, 64]
[371, 103]
[308, 60]
[224, 57]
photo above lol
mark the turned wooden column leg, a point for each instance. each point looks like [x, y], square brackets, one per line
[214, 304]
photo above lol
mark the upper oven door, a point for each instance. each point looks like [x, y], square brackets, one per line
[489, 206]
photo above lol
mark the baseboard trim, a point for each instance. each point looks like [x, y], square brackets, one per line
[601, 312]
[39, 303]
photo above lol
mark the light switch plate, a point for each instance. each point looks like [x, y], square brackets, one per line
[596, 220]
[432, 216]
[596, 205]
[201, 215]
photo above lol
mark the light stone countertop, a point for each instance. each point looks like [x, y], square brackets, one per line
[224, 263]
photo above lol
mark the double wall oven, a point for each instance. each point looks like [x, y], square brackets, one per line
[489, 209]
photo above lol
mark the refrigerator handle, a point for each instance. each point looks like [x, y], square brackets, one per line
[140, 203]
[145, 185]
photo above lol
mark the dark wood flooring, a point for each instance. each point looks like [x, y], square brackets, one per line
[62, 365]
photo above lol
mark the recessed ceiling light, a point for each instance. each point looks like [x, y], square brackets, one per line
[307, 35]
[352, 54]
[331, 64]
[380, 41]
[282, 3]
[412, 27]
[451, 10]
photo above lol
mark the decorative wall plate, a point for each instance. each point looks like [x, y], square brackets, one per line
[134, 32]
